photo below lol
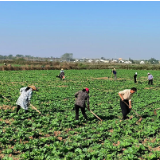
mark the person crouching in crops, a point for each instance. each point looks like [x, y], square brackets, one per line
[25, 97]
[81, 97]
[125, 101]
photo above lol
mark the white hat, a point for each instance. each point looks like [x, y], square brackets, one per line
[136, 73]
[148, 73]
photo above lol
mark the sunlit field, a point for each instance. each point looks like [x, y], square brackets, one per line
[55, 134]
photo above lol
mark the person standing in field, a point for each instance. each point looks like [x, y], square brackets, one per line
[125, 101]
[25, 98]
[61, 75]
[81, 97]
[135, 77]
[114, 73]
[150, 79]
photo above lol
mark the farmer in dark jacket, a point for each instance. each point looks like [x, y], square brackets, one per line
[125, 101]
[135, 77]
[81, 96]
[115, 73]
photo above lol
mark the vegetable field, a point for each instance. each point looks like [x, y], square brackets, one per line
[56, 134]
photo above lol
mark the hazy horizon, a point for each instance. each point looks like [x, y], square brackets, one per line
[90, 29]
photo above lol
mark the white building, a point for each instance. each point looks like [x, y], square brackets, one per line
[90, 60]
[114, 61]
[141, 62]
[128, 62]
[105, 61]
[121, 61]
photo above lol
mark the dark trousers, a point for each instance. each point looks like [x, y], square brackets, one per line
[115, 77]
[125, 108]
[82, 110]
[18, 108]
[150, 82]
[135, 81]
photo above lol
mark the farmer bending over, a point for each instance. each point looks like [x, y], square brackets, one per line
[25, 97]
[125, 97]
[81, 96]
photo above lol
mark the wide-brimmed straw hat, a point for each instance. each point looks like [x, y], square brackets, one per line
[34, 88]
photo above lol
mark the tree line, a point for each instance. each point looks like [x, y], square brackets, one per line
[65, 57]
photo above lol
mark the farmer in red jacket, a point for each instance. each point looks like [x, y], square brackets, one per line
[81, 97]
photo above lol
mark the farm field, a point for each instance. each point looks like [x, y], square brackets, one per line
[57, 135]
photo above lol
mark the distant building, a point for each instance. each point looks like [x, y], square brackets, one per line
[114, 61]
[90, 60]
[76, 60]
[105, 61]
[128, 62]
[121, 61]
[141, 62]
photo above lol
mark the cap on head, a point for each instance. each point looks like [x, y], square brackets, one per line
[62, 69]
[87, 89]
[136, 73]
[148, 73]
[33, 87]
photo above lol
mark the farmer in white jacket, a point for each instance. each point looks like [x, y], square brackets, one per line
[25, 97]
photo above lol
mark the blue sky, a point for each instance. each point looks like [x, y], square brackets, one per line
[90, 29]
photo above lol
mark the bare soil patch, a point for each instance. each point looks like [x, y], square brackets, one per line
[60, 138]
[148, 87]
[156, 149]
[68, 129]
[111, 130]
[1, 156]
[65, 99]
[131, 117]
[106, 78]
[57, 133]
[102, 78]
[47, 135]
[152, 140]
[116, 144]
[7, 121]
[5, 107]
